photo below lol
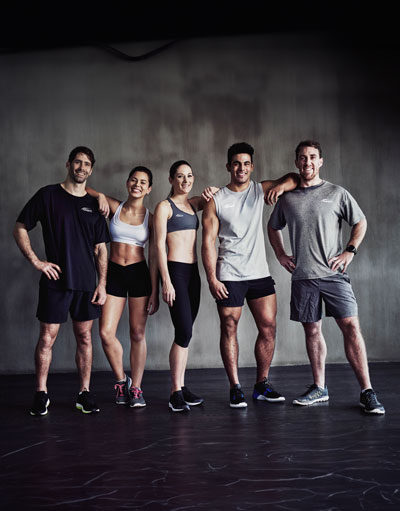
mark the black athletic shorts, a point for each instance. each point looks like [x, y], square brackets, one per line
[132, 280]
[54, 305]
[250, 289]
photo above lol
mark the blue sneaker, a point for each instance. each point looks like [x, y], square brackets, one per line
[237, 397]
[264, 391]
[369, 402]
[313, 394]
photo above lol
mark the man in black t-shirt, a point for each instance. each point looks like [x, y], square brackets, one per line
[75, 236]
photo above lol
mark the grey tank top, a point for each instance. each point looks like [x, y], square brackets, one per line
[241, 252]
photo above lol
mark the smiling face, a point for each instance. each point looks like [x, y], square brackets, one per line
[80, 168]
[138, 184]
[309, 162]
[183, 179]
[240, 168]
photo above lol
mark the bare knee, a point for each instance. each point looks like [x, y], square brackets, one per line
[312, 330]
[229, 325]
[107, 335]
[137, 334]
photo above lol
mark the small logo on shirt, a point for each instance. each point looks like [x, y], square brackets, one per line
[229, 206]
[178, 215]
[88, 210]
[326, 200]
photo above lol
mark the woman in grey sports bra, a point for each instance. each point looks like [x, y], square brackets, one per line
[129, 278]
[176, 224]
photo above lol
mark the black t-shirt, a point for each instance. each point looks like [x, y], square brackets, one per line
[72, 226]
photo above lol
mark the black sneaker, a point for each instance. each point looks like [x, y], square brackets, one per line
[237, 397]
[369, 402]
[122, 397]
[177, 402]
[86, 402]
[264, 391]
[40, 403]
[190, 398]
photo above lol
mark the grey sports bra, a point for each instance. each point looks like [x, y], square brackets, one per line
[180, 220]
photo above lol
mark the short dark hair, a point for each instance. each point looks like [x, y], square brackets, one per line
[81, 149]
[140, 168]
[239, 148]
[308, 143]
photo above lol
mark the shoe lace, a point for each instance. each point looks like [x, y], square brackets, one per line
[136, 393]
[119, 387]
[370, 397]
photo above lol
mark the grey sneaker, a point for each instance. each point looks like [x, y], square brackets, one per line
[122, 396]
[313, 394]
[369, 402]
[136, 397]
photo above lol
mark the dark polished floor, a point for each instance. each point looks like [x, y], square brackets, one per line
[330, 456]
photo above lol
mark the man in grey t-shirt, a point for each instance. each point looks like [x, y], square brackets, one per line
[314, 213]
[241, 271]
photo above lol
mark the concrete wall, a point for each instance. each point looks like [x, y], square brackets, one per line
[192, 101]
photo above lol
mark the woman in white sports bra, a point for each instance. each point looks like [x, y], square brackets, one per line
[129, 277]
[176, 224]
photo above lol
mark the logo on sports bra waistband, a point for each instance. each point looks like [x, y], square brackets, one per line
[178, 215]
[229, 206]
[88, 210]
[326, 200]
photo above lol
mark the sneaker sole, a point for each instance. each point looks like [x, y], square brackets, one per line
[375, 411]
[178, 409]
[80, 407]
[43, 413]
[138, 405]
[122, 402]
[307, 403]
[260, 397]
[195, 404]
[239, 405]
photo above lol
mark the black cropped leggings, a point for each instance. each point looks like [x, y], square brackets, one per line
[186, 280]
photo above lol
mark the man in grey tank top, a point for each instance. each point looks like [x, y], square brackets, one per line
[314, 213]
[241, 270]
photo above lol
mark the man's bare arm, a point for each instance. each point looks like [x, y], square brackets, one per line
[21, 236]
[276, 240]
[100, 254]
[273, 189]
[342, 261]
[210, 224]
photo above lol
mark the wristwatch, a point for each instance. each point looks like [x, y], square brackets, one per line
[351, 248]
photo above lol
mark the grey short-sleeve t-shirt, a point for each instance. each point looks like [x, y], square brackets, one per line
[314, 218]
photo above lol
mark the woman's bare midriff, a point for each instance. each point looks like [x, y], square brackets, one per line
[182, 246]
[124, 254]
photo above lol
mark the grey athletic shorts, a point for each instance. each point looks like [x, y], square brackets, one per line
[335, 291]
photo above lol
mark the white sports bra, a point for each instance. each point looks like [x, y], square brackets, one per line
[122, 232]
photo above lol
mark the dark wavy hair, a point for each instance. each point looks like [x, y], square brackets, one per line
[140, 168]
[84, 150]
